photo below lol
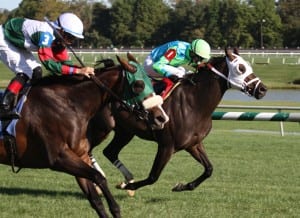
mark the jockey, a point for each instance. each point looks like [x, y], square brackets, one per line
[166, 61]
[19, 37]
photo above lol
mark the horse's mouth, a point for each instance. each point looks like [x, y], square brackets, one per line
[159, 122]
[260, 92]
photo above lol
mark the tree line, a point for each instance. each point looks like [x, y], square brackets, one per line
[251, 24]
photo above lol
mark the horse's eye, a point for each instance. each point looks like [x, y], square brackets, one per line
[241, 68]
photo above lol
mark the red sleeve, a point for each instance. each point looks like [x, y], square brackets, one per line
[61, 55]
[53, 62]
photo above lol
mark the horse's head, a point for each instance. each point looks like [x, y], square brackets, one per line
[241, 75]
[140, 91]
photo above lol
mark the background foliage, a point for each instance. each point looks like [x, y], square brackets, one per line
[148, 23]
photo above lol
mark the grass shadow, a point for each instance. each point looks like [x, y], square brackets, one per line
[38, 192]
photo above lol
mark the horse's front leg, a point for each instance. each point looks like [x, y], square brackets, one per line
[198, 152]
[112, 150]
[162, 157]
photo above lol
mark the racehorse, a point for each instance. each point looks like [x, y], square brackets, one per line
[52, 130]
[189, 107]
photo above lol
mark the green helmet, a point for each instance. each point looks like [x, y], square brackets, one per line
[201, 48]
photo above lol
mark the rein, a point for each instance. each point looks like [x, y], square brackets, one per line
[245, 84]
[213, 69]
[100, 84]
[142, 114]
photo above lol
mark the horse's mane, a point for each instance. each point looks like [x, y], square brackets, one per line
[217, 61]
[59, 79]
[204, 69]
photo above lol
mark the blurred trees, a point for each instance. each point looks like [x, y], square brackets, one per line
[289, 12]
[148, 23]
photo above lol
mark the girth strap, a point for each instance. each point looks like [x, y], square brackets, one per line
[11, 149]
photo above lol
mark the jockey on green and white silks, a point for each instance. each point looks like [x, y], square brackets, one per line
[25, 36]
[19, 37]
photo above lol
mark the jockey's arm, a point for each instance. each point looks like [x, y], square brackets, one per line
[58, 62]
[164, 68]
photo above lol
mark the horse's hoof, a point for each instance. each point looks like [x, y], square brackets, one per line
[178, 187]
[130, 187]
[122, 186]
[131, 193]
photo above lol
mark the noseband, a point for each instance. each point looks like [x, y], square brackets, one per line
[245, 84]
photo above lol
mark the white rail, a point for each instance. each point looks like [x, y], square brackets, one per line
[295, 116]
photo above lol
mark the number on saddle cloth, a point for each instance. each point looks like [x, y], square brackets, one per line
[139, 85]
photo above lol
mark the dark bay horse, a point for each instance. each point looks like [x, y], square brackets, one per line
[189, 108]
[52, 130]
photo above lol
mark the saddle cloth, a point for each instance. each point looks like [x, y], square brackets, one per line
[160, 88]
[11, 127]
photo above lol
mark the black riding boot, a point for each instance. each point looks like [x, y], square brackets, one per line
[7, 105]
[9, 99]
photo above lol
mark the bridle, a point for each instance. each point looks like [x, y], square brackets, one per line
[233, 79]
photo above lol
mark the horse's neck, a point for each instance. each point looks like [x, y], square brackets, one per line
[221, 84]
[206, 92]
[113, 79]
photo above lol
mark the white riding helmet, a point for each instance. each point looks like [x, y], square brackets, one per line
[71, 24]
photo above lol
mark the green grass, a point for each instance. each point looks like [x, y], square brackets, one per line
[254, 176]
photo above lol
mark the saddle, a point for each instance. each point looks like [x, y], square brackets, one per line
[164, 87]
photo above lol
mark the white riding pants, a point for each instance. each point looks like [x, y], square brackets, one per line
[16, 59]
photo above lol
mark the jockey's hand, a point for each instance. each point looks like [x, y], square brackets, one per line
[201, 65]
[86, 71]
[189, 72]
[180, 72]
[174, 78]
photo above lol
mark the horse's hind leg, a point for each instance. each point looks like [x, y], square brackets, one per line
[198, 152]
[90, 191]
[70, 163]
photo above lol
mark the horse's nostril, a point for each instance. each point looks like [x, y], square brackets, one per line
[161, 119]
[263, 89]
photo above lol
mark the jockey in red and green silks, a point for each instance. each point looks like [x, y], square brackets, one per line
[167, 60]
[19, 37]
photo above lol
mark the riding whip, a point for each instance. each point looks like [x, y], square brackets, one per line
[94, 78]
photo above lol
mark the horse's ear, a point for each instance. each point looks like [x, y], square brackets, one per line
[228, 53]
[126, 65]
[130, 57]
[236, 51]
